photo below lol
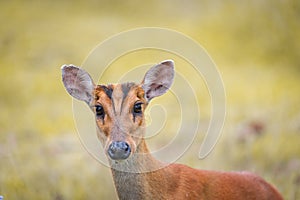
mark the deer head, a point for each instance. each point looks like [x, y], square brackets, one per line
[119, 108]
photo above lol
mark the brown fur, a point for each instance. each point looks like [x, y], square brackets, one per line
[134, 176]
[177, 181]
[174, 181]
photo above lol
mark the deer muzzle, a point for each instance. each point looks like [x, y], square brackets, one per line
[119, 150]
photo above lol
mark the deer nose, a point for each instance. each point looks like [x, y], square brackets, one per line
[119, 150]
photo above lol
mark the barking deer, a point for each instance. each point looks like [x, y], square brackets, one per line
[119, 114]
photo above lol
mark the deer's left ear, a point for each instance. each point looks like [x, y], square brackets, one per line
[158, 79]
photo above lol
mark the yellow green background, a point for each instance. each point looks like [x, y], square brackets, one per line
[255, 44]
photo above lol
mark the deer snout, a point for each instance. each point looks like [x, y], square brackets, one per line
[119, 150]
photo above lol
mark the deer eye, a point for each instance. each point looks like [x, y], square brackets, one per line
[137, 108]
[99, 111]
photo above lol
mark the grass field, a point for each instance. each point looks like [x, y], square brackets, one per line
[256, 47]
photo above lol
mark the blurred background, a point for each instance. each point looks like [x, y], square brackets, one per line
[255, 44]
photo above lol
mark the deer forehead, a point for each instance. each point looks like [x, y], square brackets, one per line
[119, 96]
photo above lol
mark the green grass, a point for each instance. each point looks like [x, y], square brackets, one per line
[255, 45]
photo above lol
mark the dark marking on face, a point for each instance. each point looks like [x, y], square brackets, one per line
[108, 90]
[100, 113]
[137, 110]
[126, 88]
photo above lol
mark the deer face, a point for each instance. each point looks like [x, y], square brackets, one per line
[119, 108]
[119, 111]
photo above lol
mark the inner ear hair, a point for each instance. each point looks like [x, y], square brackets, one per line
[158, 79]
[78, 83]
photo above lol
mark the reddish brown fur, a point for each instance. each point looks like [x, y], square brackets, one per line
[140, 176]
[118, 109]
[177, 181]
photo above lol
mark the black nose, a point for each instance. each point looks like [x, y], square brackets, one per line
[119, 150]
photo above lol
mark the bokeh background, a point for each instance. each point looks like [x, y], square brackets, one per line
[255, 44]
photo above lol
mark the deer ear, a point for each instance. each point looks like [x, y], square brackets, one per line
[78, 83]
[158, 79]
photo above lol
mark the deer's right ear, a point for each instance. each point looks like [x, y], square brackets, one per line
[78, 83]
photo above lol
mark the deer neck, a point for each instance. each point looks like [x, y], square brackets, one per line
[131, 177]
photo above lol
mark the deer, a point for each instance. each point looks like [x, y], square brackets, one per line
[120, 121]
